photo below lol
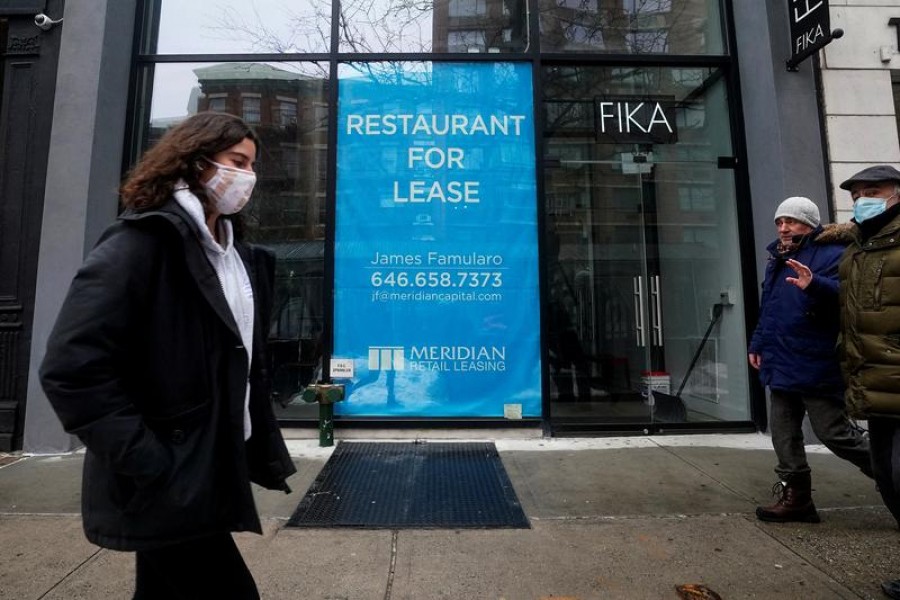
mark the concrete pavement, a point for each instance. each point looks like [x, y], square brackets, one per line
[611, 518]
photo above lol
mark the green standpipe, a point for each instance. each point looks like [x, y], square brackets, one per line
[326, 424]
[326, 394]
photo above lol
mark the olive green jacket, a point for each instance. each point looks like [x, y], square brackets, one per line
[870, 321]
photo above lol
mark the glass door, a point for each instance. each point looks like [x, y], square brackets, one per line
[645, 324]
[604, 330]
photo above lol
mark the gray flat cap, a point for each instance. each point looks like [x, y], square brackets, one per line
[873, 174]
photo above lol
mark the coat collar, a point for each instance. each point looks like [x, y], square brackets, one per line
[849, 233]
[197, 263]
[837, 233]
[832, 233]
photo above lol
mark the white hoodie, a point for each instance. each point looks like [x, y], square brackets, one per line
[232, 276]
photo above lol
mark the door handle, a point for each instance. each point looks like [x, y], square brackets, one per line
[640, 332]
[656, 312]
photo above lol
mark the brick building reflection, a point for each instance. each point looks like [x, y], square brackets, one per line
[289, 111]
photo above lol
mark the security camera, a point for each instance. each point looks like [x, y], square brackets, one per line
[44, 22]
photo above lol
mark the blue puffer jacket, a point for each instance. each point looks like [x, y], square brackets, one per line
[797, 332]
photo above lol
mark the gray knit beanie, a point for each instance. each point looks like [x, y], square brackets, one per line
[800, 209]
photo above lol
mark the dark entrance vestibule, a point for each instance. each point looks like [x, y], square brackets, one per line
[27, 83]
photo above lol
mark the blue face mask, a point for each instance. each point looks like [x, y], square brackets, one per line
[866, 208]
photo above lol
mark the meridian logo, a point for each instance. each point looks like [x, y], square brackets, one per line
[387, 358]
[437, 358]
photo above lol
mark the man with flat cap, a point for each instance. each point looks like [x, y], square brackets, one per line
[870, 325]
[793, 347]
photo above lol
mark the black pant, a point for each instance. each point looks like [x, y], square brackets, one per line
[211, 567]
[884, 436]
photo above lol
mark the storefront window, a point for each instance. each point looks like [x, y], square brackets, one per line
[240, 27]
[433, 26]
[366, 26]
[641, 244]
[632, 26]
[642, 247]
[287, 104]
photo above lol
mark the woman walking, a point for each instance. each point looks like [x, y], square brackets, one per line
[157, 363]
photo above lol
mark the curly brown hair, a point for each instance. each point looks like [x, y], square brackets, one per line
[179, 154]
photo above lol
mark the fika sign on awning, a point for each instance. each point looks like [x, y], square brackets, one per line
[634, 120]
[810, 29]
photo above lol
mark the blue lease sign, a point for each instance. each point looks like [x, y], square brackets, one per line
[436, 263]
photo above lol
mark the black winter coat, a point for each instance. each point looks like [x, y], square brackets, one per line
[145, 365]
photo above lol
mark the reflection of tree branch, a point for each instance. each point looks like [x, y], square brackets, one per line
[412, 6]
[306, 33]
[392, 25]
[635, 26]
[344, 23]
[369, 26]
[258, 34]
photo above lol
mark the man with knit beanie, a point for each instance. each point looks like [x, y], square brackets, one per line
[870, 325]
[794, 349]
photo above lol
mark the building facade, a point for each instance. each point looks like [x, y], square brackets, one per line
[860, 93]
[528, 213]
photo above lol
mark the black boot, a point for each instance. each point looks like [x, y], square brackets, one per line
[794, 502]
[891, 588]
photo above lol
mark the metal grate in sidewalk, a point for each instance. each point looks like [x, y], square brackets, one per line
[415, 485]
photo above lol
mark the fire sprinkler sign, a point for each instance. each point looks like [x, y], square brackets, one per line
[341, 368]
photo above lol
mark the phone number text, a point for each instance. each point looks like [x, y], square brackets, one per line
[437, 279]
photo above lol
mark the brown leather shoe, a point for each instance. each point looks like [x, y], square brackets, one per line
[794, 503]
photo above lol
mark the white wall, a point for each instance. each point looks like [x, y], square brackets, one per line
[859, 112]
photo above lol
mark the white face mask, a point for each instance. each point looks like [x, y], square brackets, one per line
[229, 188]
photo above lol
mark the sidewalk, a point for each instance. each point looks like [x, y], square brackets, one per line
[611, 518]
